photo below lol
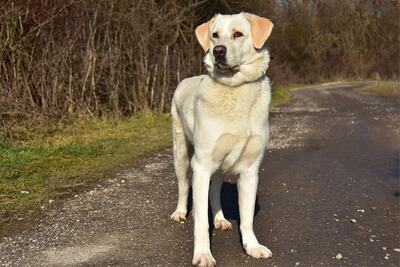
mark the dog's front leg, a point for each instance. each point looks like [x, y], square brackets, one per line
[201, 181]
[247, 189]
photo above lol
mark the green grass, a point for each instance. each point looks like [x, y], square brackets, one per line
[281, 94]
[384, 88]
[52, 162]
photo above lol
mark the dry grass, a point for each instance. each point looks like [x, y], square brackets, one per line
[388, 89]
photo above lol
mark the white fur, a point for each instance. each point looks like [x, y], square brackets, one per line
[224, 115]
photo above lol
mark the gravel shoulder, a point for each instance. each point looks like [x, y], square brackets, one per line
[328, 195]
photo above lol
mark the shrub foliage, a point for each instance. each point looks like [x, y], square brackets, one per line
[61, 59]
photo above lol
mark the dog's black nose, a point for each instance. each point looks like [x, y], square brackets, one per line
[219, 51]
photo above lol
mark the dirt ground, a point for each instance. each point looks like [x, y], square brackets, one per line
[328, 195]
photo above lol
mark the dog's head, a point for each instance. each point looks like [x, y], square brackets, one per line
[232, 41]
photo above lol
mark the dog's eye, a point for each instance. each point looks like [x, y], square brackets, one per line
[237, 34]
[215, 35]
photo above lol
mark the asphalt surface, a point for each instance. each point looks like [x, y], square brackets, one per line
[328, 195]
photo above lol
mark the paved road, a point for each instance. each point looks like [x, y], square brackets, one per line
[333, 157]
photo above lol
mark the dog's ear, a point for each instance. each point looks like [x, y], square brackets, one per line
[203, 34]
[260, 29]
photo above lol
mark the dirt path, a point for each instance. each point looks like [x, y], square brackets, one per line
[333, 157]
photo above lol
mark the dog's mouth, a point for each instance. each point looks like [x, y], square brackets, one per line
[222, 66]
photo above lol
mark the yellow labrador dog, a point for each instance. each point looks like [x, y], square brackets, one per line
[224, 116]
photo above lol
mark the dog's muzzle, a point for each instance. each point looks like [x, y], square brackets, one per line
[223, 67]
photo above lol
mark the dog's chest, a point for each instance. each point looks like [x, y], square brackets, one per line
[230, 103]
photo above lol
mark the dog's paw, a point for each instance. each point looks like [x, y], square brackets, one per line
[222, 224]
[178, 216]
[259, 251]
[203, 260]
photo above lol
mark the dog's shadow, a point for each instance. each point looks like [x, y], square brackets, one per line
[229, 205]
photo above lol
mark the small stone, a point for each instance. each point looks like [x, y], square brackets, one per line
[283, 184]
[51, 201]
[297, 263]
[339, 256]
[91, 192]
[396, 249]
[373, 208]
[371, 240]
[386, 257]
[361, 211]
[42, 207]
[353, 221]
[24, 192]
[337, 220]
[147, 201]
[122, 181]
[384, 248]
[76, 196]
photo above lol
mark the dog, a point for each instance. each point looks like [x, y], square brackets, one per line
[223, 116]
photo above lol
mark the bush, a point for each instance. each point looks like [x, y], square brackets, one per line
[63, 59]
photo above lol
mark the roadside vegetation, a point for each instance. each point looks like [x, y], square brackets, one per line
[388, 89]
[281, 94]
[65, 59]
[53, 162]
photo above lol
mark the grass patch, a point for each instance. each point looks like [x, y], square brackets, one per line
[388, 89]
[281, 94]
[51, 162]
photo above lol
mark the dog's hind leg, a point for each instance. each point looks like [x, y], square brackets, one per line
[215, 198]
[181, 163]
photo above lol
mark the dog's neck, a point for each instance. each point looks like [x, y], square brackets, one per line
[250, 71]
